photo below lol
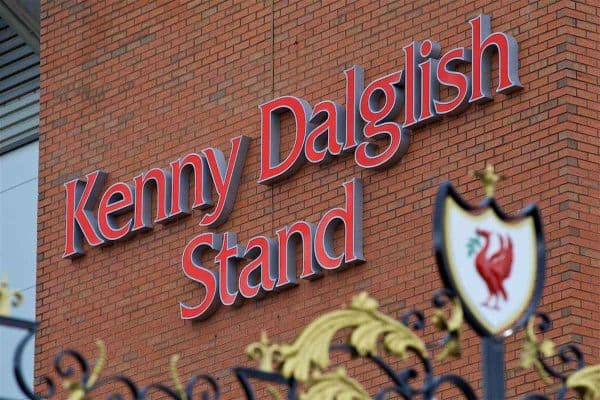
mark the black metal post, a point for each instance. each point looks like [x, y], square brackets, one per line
[30, 327]
[493, 368]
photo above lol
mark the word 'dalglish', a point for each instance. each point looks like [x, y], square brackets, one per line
[328, 129]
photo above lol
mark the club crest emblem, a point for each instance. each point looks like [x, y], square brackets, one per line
[494, 262]
[494, 268]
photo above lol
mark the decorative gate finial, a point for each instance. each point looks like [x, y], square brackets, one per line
[8, 297]
[488, 179]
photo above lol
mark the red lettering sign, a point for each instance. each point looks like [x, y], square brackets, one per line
[374, 123]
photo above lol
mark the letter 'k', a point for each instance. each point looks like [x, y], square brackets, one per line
[81, 197]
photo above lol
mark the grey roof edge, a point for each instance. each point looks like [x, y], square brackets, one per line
[19, 140]
[22, 20]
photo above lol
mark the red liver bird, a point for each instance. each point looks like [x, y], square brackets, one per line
[496, 268]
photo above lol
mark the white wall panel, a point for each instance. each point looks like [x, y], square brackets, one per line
[18, 243]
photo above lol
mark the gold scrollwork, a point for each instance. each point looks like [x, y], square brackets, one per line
[310, 351]
[312, 345]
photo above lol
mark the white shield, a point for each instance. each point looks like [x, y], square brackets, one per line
[491, 261]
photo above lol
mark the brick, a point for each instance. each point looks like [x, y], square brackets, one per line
[126, 88]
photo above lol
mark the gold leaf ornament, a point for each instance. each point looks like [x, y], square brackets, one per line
[263, 352]
[178, 386]
[78, 390]
[308, 356]
[335, 385]
[311, 348]
[452, 326]
[266, 354]
[586, 382]
[532, 348]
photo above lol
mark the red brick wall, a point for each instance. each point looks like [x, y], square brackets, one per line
[128, 87]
